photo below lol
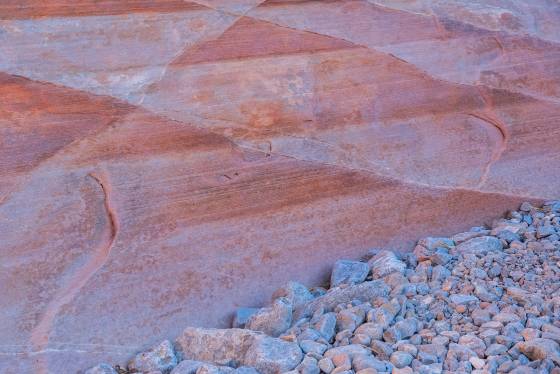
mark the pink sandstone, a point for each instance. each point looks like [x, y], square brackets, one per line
[164, 162]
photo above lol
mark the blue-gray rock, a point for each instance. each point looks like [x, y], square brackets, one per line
[545, 230]
[474, 343]
[367, 361]
[188, 367]
[242, 315]
[432, 243]
[326, 325]
[309, 365]
[479, 245]
[371, 329]
[235, 347]
[385, 263]
[159, 358]
[270, 355]
[401, 330]
[540, 349]
[311, 346]
[245, 370]
[296, 292]
[440, 273]
[385, 314]
[273, 320]
[495, 349]
[199, 367]
[351, 350]
[349, 319]
[401, 359]
[326, 365]
[381, 349]
[441, 256]
[462, 299]
[101, 369]
[339, 295]
[349, 272]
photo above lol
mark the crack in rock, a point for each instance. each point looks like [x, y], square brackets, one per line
[41, 333]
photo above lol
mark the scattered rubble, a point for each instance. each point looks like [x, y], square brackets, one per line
[483, 301]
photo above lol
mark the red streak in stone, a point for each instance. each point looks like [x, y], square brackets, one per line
[40, 334]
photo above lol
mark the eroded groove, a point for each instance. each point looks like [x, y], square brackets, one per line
[40, 334]
[498, 151]
[108, 208]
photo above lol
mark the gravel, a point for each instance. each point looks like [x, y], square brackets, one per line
[482, 301]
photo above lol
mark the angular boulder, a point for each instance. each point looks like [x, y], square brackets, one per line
[159, 358]
[273, 320]
[385, 263]
[349, 272]
[271, 356]
[239, 347]
[296, 292]
[540, 349]
[480, 245]
[363, 292]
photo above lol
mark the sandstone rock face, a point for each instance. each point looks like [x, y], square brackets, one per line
[157, 159]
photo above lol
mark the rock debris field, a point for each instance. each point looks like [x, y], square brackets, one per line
[482, 301]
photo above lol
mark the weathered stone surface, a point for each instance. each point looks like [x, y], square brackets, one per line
[481, 244]
[160, 358]
[385, 263]
[188, 367]
[296, 292]
[272, 356]
[540, 349]
[363, 291]
[273, 320]
[349, 272]
[219, 346]
[241, 316]
[101, 369]
[234, 347]
[153, 152]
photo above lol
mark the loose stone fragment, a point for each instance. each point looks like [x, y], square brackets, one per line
[540, 349]
[381, 349]
[272, 320]
[326, 325]
[350, 272]
[359, 292]
[234, 347]
[480, 245]
[296, 292]
[385, 263]
[373, 330]
[101, 369]
[362, 362]
[401, 359]
[461, 299]
[161, 358]
[271, 355]
[241, 316]
[326, 365]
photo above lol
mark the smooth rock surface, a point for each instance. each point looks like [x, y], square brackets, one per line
[157, 159]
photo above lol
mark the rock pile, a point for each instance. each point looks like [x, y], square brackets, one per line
[482, 301]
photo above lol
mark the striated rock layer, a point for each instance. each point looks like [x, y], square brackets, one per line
[157, 159]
